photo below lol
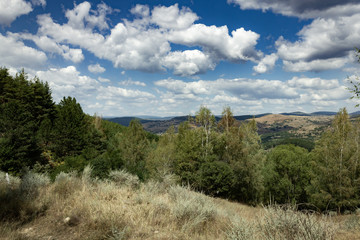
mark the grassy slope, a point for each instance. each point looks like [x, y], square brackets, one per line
[81, 208]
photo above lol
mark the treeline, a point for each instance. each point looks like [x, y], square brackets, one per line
[223, 159]
[37, 133]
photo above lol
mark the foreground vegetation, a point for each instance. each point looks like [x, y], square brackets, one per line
[76, 206]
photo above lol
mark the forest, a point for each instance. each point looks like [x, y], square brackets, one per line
[222, 159]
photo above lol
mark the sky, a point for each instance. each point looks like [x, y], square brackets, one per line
[168, 58]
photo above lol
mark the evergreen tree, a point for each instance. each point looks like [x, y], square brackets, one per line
[21, 111]
[71, 128]
[134, 147]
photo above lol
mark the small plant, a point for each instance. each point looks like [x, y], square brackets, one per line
[117, 234]
[352, 222]
[192, 210]
[66, 183]
[121, 177]
[31, 183]
[288, 224]
[240, 230]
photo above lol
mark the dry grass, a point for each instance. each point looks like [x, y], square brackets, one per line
[302, 125]
[78, 207]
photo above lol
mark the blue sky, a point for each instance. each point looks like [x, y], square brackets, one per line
[167, 58]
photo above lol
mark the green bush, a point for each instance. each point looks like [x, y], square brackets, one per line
[216, 178]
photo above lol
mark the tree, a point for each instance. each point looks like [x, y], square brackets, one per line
[188, 153]
[244, 155]
[216, 178]
[206, 120]
[24, 104]
[287, 174]
[71, 128]
[335, 185]
[355, 88]
[227, 119]
[134, 147]
[161, 160]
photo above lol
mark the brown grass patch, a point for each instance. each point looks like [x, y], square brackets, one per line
[83, 208]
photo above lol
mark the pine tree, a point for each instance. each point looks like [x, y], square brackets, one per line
[71, 128]
[21, 113]
[134, 147]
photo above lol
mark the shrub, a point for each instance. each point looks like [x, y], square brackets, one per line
[122, 177]
[66, 183]
[287, 223]
[20, 201]
[192, 210]
[240, 230]
[31, 183]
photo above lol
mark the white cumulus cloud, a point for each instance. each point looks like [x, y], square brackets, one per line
[189, 62]
[266, 64]
[172, 17]
[145, 43]
[10, 10]
[96, 68]
[13, 53]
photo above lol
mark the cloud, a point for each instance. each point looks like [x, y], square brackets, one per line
[243, 88]
[80, 16]
[103, 80]
[266, 64]
[317, 65]
[324, 44]
[145, 43]
[140, 10]
[50, 45]
[131, 82]
[74, 55]
[96, 68]
[257, 88]
[172, 17]
[313, 83]
[113, 93]
[261, 94]
[216, 41]
[38, 2]
[302, 9]
[189, 62]
[68, 82]
[14, 53]
[10, 10]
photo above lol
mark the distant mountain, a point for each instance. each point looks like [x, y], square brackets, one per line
[296, 114]
[246, 117]
[355, 114]
[159, 125]
[323, 113]
[147, 117]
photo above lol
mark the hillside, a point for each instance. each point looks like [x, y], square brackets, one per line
[273, 128]
[123, 208]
